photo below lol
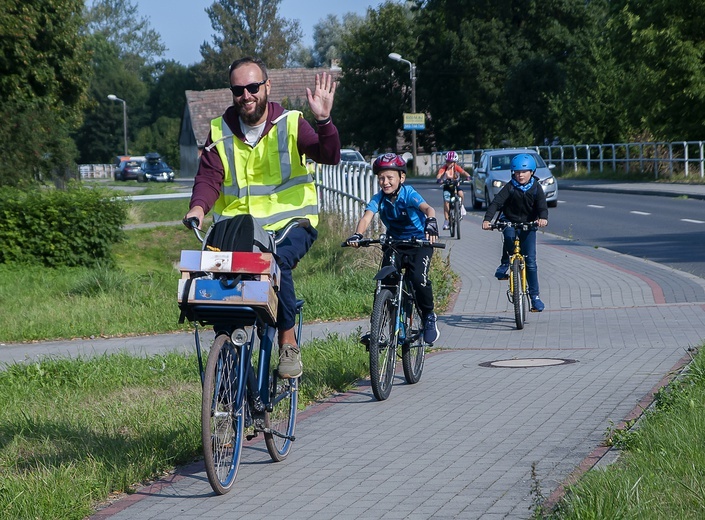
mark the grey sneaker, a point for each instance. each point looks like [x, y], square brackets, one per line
[290, 365]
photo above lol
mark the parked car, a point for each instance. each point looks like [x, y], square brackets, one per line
[348, 155]
[493, 172]
[129, 168]
[155, 169]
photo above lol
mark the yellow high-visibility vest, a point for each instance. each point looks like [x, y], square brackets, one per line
[270, 181]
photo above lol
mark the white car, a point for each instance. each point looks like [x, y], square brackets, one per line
[348, 155]
[492, 173]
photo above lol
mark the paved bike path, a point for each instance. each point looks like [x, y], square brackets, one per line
[465, 441]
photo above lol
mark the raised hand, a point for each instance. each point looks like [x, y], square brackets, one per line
[321, 99]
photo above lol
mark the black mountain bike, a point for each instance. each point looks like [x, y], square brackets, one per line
[396, 322]
[454, 207]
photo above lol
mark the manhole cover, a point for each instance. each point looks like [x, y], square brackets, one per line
[527, 362]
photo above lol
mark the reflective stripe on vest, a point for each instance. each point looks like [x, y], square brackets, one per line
[268, 181]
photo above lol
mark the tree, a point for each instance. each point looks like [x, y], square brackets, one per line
[488, 69]
[43, 79]
[374, 92]
[660, 46]
[100, 137]
[246, 28]
[118, 22]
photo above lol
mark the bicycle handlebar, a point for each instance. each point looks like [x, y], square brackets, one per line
[193, 223]
[414, 242]
[523, 226]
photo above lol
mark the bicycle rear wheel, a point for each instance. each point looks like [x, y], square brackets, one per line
[383, 344]
[518, 295]
[222, 420]
[280, 423]
[413, 351]
[456, 215]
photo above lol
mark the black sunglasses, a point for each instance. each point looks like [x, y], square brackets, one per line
[252, 88]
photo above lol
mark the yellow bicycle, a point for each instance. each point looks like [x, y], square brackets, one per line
[517, 294]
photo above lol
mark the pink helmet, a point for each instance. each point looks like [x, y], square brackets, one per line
[451, 157]
[389, 161]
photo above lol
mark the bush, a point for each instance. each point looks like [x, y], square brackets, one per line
[52, 228]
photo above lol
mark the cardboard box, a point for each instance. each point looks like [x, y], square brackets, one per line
[250, 293]
[261, 265]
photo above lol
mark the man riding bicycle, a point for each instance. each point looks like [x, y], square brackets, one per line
[254, 164]
[451, 171]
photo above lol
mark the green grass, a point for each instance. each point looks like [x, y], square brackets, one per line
[72, 432]
[139, 295]
[660, 472]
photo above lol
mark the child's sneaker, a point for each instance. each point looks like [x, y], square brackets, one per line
[446, 225]
[430, 328]
[502, 272]
[536, 304]
[463, 211]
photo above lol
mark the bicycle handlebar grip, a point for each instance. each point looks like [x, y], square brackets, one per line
[191, 222]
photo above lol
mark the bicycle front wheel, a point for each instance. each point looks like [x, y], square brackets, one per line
[456, 214]
[383, 344]
[222, 419]
[413, 351]
[280, 422]
[518, 295]
[452, 222]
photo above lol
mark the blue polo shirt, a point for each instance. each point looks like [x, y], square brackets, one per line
[403, 218]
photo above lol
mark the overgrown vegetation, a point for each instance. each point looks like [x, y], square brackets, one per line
[659, 473]
[51, 228]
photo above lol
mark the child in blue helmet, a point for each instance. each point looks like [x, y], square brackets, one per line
[522, 199]
[406, 215]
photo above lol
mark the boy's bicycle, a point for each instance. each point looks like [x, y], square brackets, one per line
[517, 292]
[243, 394]
[395, 321]
[454, 207]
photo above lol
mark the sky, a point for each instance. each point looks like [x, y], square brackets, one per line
[184, 24]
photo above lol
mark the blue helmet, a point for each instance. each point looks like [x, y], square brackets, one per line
[523, 161]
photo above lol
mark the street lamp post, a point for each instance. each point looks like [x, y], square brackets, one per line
[113, 97]
[412, 74]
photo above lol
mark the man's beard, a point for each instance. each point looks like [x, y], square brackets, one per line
[251, 118]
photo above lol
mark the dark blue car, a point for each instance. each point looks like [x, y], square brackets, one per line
[155, 169]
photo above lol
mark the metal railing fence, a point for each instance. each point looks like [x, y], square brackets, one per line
[663, 159]
[345, 189]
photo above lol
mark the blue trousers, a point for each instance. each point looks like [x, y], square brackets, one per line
[527, 240]
[289, 252]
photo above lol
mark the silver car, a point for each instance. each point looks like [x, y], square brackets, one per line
[493, 172]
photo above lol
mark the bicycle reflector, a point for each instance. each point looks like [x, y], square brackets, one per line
[239, 337]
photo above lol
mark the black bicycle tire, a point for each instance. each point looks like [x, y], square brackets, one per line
[517, 294]
[413, 352]
[451, 221]
[226, 435]
[457, 218]
[382, 345]
[284, 396]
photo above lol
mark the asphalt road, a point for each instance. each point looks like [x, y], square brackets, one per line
[667, 230]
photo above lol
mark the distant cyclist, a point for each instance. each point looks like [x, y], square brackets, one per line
[522, 199]
[406, 215]
[451, 171]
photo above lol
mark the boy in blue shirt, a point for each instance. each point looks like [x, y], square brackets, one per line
[406, 215]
